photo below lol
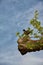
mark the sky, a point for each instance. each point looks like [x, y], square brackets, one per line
[14, 16]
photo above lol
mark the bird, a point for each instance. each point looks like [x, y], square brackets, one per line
[26, 32]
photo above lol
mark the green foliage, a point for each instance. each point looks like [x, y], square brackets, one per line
[36, 14]
[30, 30]
[18, 34]
[36, 24]
[36, 35]
[34, 45]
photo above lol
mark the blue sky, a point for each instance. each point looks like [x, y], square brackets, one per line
[14, 16]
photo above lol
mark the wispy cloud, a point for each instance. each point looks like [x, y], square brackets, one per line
[24, 17]
[12, 58]
[31, 60]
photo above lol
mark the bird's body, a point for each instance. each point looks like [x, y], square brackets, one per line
[26, 32]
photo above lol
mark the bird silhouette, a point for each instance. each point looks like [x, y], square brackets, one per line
[26, 32]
